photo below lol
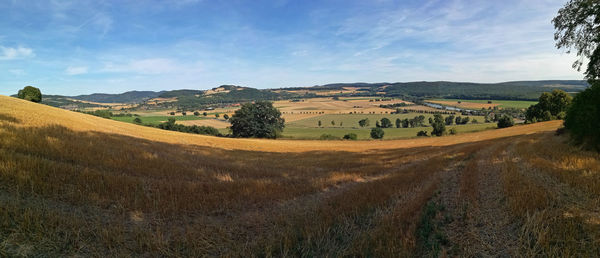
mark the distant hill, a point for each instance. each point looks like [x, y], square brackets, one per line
[127, 97]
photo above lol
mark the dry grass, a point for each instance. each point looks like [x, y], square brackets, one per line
[77, 185]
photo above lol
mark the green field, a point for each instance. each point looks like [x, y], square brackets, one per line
[364, 133]
[156, 119]
[351, 120]
[503, 103]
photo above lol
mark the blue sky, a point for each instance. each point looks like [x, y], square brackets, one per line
[78, 47]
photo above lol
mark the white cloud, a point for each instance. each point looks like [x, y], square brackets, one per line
[76, 70]
[9, 53]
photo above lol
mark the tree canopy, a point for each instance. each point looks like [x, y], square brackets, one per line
[258, 120]
[30, 93]
[578, 27]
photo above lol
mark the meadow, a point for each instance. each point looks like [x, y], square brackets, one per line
[478, 104]
[155, 120]
[72, 184]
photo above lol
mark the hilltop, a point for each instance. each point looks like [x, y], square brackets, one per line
[191, 98]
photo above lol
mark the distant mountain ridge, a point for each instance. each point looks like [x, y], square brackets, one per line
[448, 89]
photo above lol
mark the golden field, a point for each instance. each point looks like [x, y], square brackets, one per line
[78, 185]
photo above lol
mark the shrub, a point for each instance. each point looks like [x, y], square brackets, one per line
[30, 93]
[505, 121]
[226, 116]
[137, 120]
[172, 113]
[377, 133]
[452, 131]
[364, 122]
[326, 136]
[350, 136]
[422, 133]
[197, 113]
[205, 114]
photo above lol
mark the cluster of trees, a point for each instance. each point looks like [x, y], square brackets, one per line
[449, 120]
[550, 106]
[172, 126]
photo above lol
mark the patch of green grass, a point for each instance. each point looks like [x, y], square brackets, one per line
[364, 133]
[157, 119]
[503, 103]
[351, 120]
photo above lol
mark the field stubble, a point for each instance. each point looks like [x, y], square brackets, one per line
[66, 191]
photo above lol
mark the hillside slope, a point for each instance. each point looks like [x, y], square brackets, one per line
[31, 114]
[78, 185]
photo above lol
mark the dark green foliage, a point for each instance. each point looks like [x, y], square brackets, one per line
[405, 123]
[217, 115]
[319, 123]
[377, 124]
[332, 122]
[452, 131]
[439, 127]
[171, 125]
[328, 137]
[30, 93]
[204, 114]
[364, 122]
[550, 106]
[398, 123]
[576, 27]
[450, 119]
[386, 123]
[196, 113]
[137, 120]
[377, 133]
[260, 120]
[350, 136]
[172, 113]
[505, 121]
[101, 113]
[422, 133]
[465, 120]
[430, 236]
[583, 118]
[226, 116]
[127, 97]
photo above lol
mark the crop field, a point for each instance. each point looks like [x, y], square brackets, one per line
[364, 133]
[72, 184]
[157, 119]
[351, 120]
[479, 104]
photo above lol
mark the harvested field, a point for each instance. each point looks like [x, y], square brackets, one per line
[76, 185]
[207, 122]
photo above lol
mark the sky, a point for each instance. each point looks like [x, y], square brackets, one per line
[81, 47]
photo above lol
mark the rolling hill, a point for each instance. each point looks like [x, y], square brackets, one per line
[77, 185]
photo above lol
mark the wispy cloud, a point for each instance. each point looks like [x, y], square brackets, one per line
[10, 53]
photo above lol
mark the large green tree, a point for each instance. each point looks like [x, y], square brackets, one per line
[30, 93]
[578, 27]
[439, 125]
[259, 120]
[550, 106]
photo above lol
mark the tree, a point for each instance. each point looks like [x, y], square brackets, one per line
[582, 119]
[458, 120]
[377, 133]
[422, 133]
[386, 123]
[405, 123]
[172, 113]
[377, 124]
[439, 127]
[259, 119]
[332, 122]
[398, 123]
[137, 120]
[505, 121]
[205, 114]
[465, 120]
[576, 27]
[319, 123]
[183, 113]
[364, 122]
[197, 113]
[350, 136]
[217, 115]
[226, 116]
[452, 131]
[30, 93]
[550, 106]
[450, 120]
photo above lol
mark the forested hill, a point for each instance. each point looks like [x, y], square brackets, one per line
[516, 90]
